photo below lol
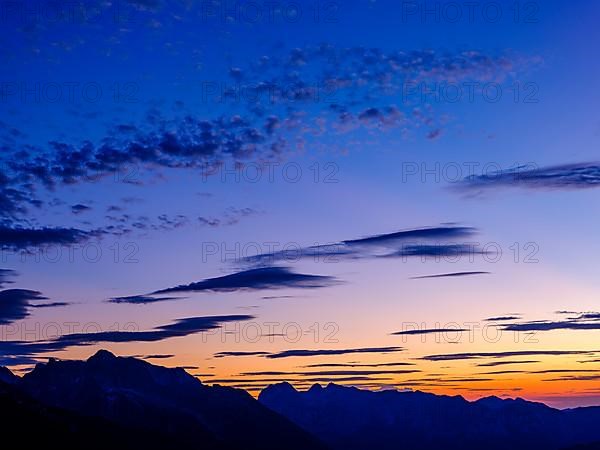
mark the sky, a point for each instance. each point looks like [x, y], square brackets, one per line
[385, 194]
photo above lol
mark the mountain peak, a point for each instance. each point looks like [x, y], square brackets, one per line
[284, 386]
[137, 394]
[102, 355]
[278, 389]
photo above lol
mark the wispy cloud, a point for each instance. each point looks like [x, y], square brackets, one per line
[502, 318]
[318, 352]
[549, 326]
[159, 356]
[567, 176]
[15, 237]
[179, 328]
[233, 353]
[255, 279]
[391, 364]
[15, 304]
[430, 331]
[80, 208]
[141, 299]
[504, 363]
[433, 241]
[576, 378]
[451, 274]
[323, 352]
[332, 372]
[579, 321]
[6, 275]
[481, 355]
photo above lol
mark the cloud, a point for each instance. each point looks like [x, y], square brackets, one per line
[432, 233]
[502, 318]
[141, 299]
[432, 241]
[333, 373]
[452, 274]
[120, 223]
[464, 380]
[80, 208]
[576, 378]
[503, 372]
[15, 304]
[162, 356]
[231, 216]
[179, 328]
[549, 326]
[303, 353]
[592, 315]
[359, 364]
[17, 238]
[565, 371]
[8, 361]
[430, 331]
[225, 354]
[182, 143]
[461, 356]
[50, 305]
[475, 389]
[503, 363]
[581, 321]
[292, 353]
[566, 177]
[436, 251]
[6, 275]
[355, 87]
[255, 279]
[265, 381]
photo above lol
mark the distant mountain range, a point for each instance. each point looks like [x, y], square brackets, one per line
[349, 418]
[129, 403]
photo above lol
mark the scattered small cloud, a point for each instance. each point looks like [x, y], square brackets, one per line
[80, 208]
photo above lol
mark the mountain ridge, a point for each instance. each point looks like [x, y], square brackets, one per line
[152, 404]
[138, 394]
[351, 418]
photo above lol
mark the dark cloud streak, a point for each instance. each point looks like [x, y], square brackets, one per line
[255, 279]
[451, 274]
[566, 177]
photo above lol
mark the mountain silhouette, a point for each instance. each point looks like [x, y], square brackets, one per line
[31, 424]
[126, 402]
[136, 394]
[350, 418]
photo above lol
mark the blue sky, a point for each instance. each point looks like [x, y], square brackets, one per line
[128, 171]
